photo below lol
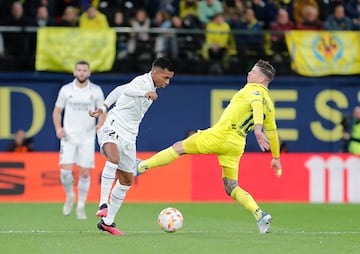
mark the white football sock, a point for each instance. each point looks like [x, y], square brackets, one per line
[117, 197]
[67, 180]
[83, 189]
[107, 180]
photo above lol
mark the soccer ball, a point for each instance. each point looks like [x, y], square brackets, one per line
[170, 220]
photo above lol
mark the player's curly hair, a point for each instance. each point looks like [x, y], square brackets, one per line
[267, 69]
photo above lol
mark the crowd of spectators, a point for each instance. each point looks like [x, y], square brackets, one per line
[244, 28]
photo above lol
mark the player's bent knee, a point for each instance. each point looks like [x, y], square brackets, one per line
[230, 185]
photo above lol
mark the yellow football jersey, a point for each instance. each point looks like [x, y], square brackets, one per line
[238, 115]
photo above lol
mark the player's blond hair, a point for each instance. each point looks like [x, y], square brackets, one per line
[267, 69]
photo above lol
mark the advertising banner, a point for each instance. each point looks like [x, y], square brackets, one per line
[308, 115]
[307, 177]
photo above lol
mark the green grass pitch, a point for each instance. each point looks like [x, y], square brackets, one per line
[208, 228]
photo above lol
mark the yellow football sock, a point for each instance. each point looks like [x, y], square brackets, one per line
[161, 158]
[246, 200]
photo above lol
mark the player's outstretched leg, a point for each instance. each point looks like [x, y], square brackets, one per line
[109, 228]
[162, 158]
[264, 223]
[138, 169]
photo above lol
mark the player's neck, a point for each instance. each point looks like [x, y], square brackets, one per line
[81, 84]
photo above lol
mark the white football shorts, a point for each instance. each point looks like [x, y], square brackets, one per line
[127, 150]
[81, 154]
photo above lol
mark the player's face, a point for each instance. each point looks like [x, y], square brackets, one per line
[82, 72]
[162, 78]
[255, 76]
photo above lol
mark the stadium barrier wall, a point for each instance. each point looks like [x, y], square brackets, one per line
[307, 178]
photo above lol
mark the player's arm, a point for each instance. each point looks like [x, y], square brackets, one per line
[275, 151]
[135, 91]
[101, 120]
[272, 134]
[57, 119]
[110, 100]
[258, 117]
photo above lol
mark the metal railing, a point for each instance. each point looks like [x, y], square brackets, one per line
[241, 57]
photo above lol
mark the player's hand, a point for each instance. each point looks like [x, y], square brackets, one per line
[276, 166]
[60, 133]
[262, 140]
[96, 113]
[151, 95]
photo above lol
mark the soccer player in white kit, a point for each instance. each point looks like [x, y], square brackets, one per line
[76, 132]
[117, 137]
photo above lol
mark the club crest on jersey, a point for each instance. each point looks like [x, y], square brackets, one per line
[256, 93]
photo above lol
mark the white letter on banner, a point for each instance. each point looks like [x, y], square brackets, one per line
[316, 166]
[353, 176]
[335, 167]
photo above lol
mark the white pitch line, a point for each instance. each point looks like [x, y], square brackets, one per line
[179, 232]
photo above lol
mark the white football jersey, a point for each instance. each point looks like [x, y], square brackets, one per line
[130, 106]
[77, 102]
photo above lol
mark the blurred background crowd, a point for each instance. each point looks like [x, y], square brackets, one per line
[242, 31]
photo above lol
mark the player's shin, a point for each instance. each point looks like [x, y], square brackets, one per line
[107, 180]
[162, 158]
[117, 197]
[246, 200]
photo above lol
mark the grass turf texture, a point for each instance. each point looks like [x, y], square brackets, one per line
[208, 228]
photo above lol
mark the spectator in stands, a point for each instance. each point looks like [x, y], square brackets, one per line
[139, 43]
[170, 6]
[188, 7]
[208, 9]
[310, 20]
[19, 45]
[238, 5]
[21, 143]
[2, 48]
[351, 132]
[251, 42]
[278, 29]
[217, 39]
[31, 7]
[118, 21]
[17, 16]
[42, 17]
[287, 5]
[299, 6]
[352, 9]
[338, 20]
[326, 8]
[93, 19]
[188, 44]
[61, 5]
[163, 46]
[70, 17]
[265, 12]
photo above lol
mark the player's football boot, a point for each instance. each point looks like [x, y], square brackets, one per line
[264, 223]
[111, 229]
[81, 214]
[68, 205]
[139, 170]
[102, 212]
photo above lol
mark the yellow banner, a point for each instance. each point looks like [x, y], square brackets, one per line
[315, 53]
[59, 48]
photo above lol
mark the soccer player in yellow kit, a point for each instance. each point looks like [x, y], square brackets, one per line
[250, 109]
